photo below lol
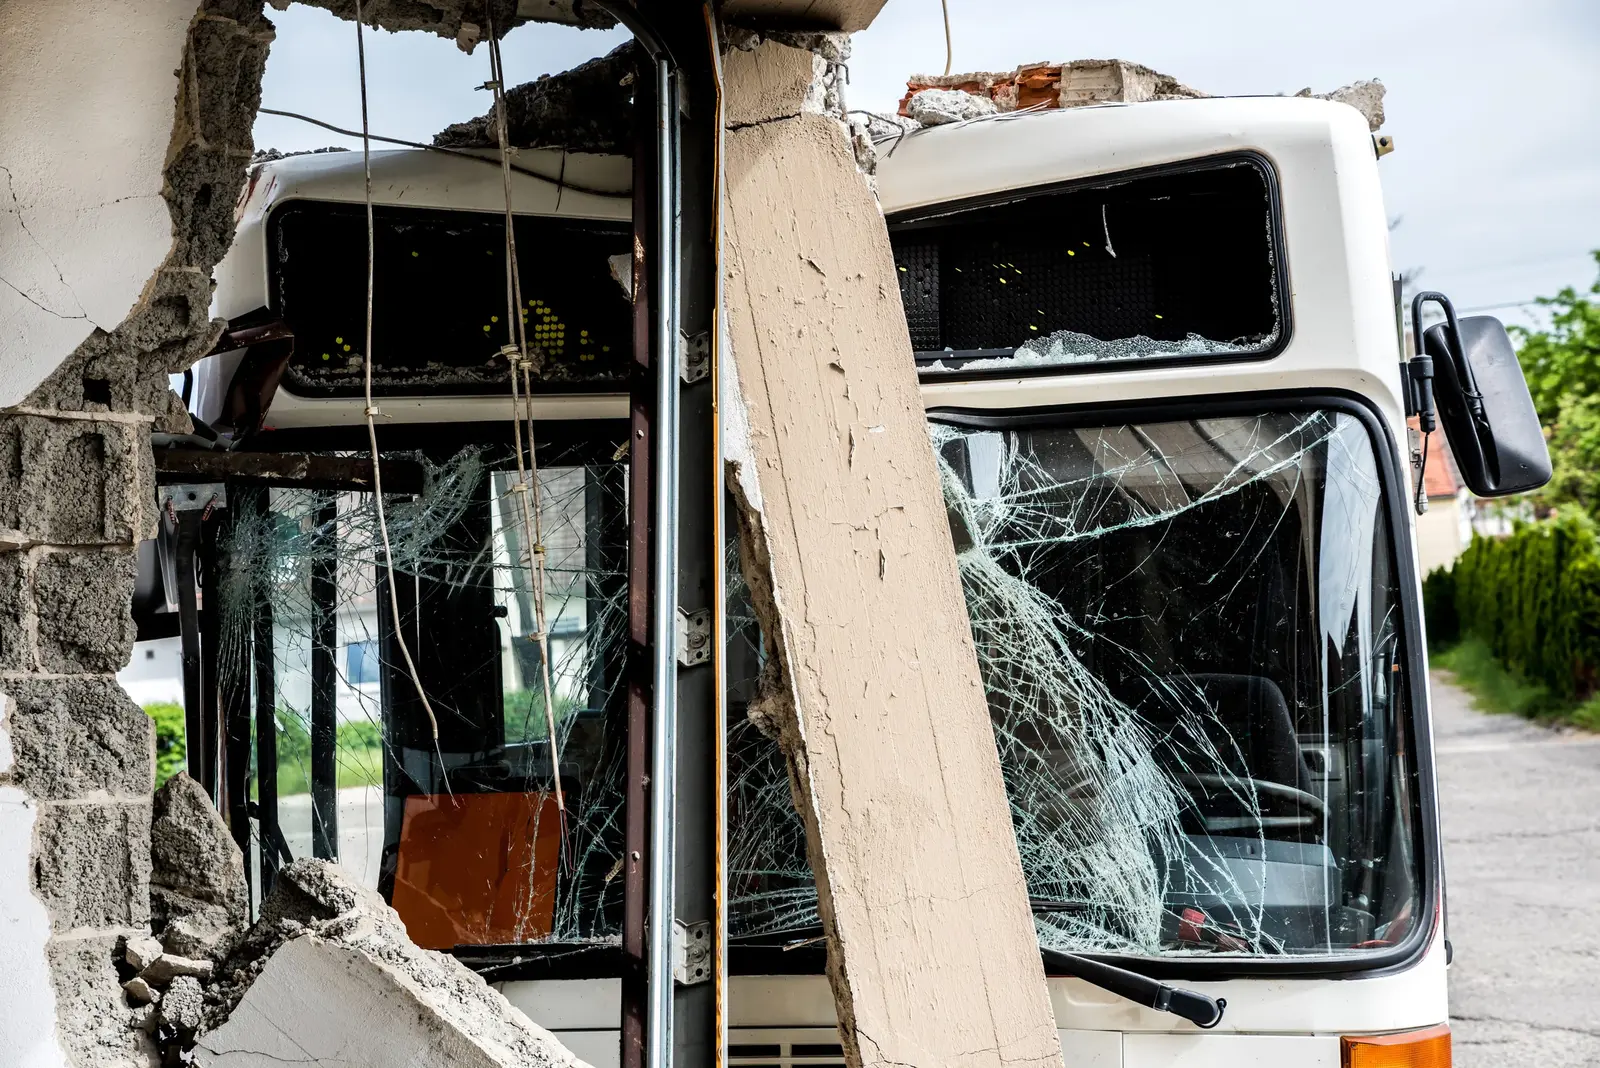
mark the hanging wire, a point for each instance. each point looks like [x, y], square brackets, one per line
[944, 6]
[516, 353]
[560, 181]
[372, 410]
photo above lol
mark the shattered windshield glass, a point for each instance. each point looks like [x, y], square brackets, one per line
[1190, 635]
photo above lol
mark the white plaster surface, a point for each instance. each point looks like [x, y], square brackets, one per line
[83, 137]
[27, 1000]
[318, 1002]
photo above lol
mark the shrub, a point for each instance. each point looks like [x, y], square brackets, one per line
[1533, 597]
[1439, 608]
[171, 755]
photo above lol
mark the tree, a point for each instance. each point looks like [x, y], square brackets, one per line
[1564, 360]
[1562, 365]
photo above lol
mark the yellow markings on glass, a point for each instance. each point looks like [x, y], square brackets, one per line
[1032, 327]
[1158, 317]
[347, 348]
[413, 253]
[338, 341]
[1002, 281]
[325, 356]
[1070, 252]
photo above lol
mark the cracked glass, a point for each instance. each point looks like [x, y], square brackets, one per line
[1190, 636]
[463, 833]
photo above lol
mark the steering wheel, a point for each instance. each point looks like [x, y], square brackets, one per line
[1311, 806]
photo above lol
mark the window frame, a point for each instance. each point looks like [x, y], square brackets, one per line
[1349, 965]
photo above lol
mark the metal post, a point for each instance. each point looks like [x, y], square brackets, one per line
[186, 540]
[324, 693]
[663, 623]
[233, 679]
[266, 728]
[641, 440]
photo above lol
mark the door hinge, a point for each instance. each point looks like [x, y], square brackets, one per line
[694, 637]
[691, 952]
[694, 356]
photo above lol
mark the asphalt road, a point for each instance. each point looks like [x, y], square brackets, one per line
[1521, 813]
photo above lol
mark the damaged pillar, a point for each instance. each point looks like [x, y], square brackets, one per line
[123, 145]
[873, 685]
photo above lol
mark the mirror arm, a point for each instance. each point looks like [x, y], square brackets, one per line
[1458, 352]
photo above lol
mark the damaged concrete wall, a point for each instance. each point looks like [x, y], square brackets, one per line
[126, 133]
[873, 686]
[328, 976]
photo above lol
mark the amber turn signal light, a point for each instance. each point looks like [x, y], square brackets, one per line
[1409, 1049]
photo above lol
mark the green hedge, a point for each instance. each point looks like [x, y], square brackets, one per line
[1532, 597]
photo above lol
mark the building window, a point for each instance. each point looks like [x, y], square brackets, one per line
[361, 662]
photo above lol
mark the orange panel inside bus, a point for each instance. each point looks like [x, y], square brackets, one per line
[477, 869]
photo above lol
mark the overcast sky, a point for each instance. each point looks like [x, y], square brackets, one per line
[1494, 104]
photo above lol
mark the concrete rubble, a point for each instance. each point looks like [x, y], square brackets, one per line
[198, 895]
[329, 976]
[936, 107]
[1078, 83]
[586, 109]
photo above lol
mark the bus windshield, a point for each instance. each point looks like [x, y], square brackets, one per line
[1190, 635]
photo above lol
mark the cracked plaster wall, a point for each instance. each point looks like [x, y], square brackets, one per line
[123, 144]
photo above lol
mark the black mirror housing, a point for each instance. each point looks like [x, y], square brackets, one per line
[1484, 405]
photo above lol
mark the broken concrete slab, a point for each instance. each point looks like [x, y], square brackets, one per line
[849, 15]
[91, 1014]
[329, 976]
[463, 21]
[182, 1006]
[193, 857]
[169, 966]
[939, 107]
[886, 728]
[1365, 96]
[193, 929]
[1057, 85]
[586, 109]
[140, 953]
[140, 992]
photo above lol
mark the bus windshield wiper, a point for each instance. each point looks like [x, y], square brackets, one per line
[1205, 1012]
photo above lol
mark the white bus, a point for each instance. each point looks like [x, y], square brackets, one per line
[1163, 362]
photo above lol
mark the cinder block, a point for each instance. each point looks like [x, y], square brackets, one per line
[10, 471]
[82, 482]
[15, 592]
[91, 863]
[92, 1011]
[73, 737]
[84, 602]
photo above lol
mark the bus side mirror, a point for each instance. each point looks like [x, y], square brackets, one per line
[1484, 404]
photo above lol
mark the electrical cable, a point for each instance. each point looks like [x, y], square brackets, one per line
[944, 6]
[559, 183]
[372, 411]
[516, 353]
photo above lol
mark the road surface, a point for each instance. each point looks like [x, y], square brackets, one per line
[1521, 813]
